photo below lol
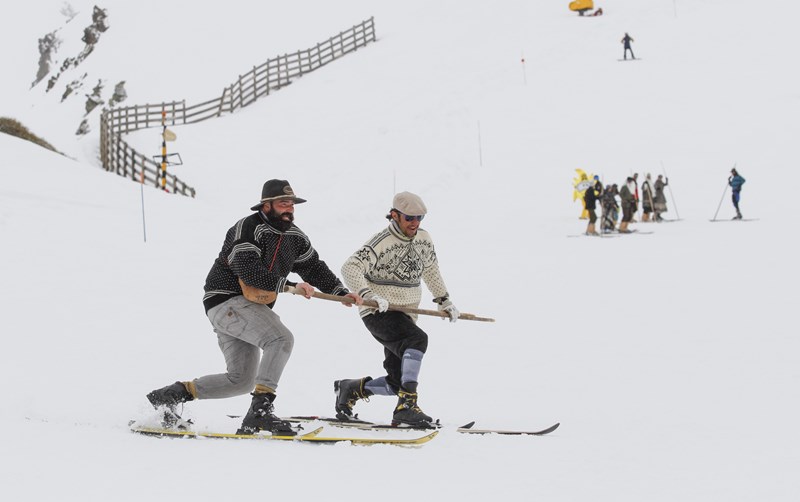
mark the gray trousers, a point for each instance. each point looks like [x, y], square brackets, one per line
[245, 329]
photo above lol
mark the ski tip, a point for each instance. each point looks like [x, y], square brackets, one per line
[468, 425]
[307, 435]
[548, 430]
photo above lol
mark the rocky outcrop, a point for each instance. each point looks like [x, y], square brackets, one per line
[50, 43]
[94, 99]
[120, 94]
[73, 86]
[51, 70]
[83, 128]
[91, 34]
[48, 46]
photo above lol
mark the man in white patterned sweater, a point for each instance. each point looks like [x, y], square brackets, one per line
[388, 269]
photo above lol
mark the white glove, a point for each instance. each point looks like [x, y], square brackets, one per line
[383, 303]
[448, 308]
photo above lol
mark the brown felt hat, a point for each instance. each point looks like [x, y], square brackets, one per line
[276, 190]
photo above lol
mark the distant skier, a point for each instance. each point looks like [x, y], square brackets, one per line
[610, 207]
[736, 181]
[628, 197]
[647, 197]
[626, 40]
[590, 198]
[660, 199]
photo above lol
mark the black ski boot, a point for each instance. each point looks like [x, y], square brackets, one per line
[261, 417]
[408, 412]
[347, 393]
[169, 398]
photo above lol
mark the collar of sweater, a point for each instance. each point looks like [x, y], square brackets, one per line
[394, 228]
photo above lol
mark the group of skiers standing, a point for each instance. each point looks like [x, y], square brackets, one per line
[651, 197]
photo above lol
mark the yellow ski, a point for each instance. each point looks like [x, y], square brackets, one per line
[370, 441]
[309, 437]
[172, 433]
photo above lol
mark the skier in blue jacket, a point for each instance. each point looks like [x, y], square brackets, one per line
[626, 41]
[736, 181]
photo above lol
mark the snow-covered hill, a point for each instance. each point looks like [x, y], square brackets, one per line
[667, 357]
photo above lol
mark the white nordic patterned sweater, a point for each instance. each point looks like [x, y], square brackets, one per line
[392, 265]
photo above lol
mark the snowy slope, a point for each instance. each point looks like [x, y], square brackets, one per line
[672, 370]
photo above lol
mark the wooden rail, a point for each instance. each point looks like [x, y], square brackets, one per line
[118, 156]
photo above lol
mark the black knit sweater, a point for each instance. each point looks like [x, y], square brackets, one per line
[263, 256]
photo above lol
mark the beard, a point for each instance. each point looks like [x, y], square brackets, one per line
[276, 220]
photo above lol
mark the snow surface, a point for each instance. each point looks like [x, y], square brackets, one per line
[668, 358]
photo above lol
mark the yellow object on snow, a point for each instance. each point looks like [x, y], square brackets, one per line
[579, 186]
[579, 5]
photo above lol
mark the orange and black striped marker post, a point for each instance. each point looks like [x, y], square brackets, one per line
[164, 150]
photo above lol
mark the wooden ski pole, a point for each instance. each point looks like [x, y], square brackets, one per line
[369, 303]
[723, 198]
[720, 203]
[672, 195]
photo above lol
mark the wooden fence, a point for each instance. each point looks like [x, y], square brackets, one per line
[118, 156]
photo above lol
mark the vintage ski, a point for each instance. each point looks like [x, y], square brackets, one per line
[355, 423]
[182, 433]
[373, 440]
[467, 429]
[735, 219]
[309, 437]
[603, 236]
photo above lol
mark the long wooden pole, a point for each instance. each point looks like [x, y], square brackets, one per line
[371, 303]
[672, 195]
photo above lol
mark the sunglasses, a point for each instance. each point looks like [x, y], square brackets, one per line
[412, 218]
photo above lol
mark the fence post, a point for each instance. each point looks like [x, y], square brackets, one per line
[281, 64]
[222, 101]
[102, 138]
[240, 92]
[268, 76]
[255, 86]
[116, 155]
[299, 65]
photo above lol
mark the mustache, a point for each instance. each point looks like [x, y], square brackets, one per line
[279, 216]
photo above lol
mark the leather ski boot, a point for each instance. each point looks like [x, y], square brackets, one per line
[347, 393]
[261, 417]
[169, 398]
[408, 411]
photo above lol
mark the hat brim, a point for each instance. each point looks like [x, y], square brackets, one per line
[296, 200]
